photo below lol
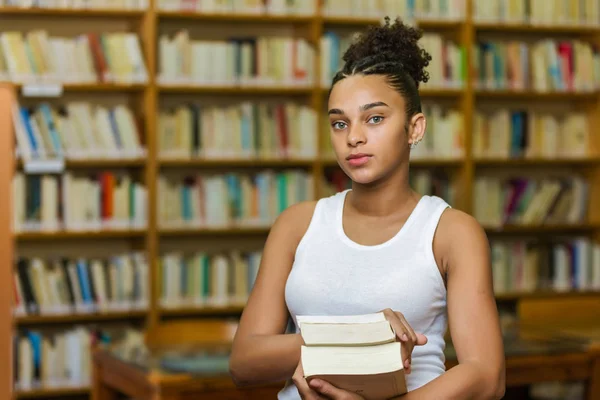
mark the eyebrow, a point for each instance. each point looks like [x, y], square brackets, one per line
[364, 107]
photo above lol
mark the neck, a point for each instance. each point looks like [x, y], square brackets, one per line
[385, 197]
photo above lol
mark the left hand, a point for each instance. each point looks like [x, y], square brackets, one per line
[329, 391]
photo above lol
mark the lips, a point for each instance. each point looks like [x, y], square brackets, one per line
[358, 159]
[357, 155]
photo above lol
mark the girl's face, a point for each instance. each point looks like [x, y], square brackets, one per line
[368, 128]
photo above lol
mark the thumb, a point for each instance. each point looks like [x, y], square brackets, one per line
[325, 388]
[421, 339]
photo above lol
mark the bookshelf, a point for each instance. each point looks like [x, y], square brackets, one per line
[166, 101]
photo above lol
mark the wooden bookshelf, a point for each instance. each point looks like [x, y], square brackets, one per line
[202, 311]
[80, 235]
[150, 97]
[525, 28]
[79, 317]
[43, 12]
[98, 87]
[236, 17]
[251, 162]
[52, 392]
[235, 90]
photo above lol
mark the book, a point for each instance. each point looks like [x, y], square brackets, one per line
[80, 285]
[200, 279]
[358, 353]
[229, 200]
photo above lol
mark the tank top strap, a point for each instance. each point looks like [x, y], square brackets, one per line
[323, 219]
[431, 218]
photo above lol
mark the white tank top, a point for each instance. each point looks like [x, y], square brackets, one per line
[333, 275]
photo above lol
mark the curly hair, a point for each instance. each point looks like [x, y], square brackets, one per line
[392, 51]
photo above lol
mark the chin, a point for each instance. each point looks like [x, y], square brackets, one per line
[362, 176]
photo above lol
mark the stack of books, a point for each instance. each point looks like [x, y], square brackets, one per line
[358, 353]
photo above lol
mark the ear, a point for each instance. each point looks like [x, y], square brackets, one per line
[416, 128]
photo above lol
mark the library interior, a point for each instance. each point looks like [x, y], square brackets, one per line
[145, 304]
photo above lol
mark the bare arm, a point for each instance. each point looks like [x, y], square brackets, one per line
[472, 314]
[261, 352]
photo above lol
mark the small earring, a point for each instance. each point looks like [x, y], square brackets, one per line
[414, 144]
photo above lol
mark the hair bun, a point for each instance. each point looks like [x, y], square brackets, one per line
[389, 43]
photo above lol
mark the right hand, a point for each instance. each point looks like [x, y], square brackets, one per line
[406, 335]
[305, 391]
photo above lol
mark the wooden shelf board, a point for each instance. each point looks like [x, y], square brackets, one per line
[333, 20]
[439, 24]
[537, 28]
[62, 235]
[213, 231]
[233, 90]
[236, 163]
[544, 294]
[537, 229]
[236, 17]
[77, 318]
[58, 392]
[535, 95]
[70, 12]
[99, 163]
[536, 161]
[209, 310]
[99, 87]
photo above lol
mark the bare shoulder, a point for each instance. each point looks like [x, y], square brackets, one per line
[293, 222]
[459, 232]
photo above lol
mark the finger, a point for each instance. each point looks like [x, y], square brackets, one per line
[331, 392]
[411, 332]
[305, 392]
[410, 344]
[396, 325]
[403, 335]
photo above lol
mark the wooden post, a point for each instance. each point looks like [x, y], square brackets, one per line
[7, 96]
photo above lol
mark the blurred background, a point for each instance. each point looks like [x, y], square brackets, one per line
[149, 145]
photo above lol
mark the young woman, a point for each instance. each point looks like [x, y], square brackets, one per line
[378, 246]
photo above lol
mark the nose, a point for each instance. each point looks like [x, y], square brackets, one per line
[356, 136]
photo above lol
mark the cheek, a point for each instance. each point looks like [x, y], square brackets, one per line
[387, 139]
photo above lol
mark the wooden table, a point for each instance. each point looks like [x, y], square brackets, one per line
[529, 359]
[114, 376]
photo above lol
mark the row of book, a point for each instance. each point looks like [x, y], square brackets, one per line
[521, 133]
[262, 7]
[77, 131]
[530, 200]
[62, 358]
[78, 4]
[36, 56]
[544, 65]
[262, 60]
[240, 130]
[200, 280]
[407, 9]
[66, 286]
[566, 65]
[559, 265]
[228, 200]
[78, 201]
[447, 68]
[269, 130]
[538, 12]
